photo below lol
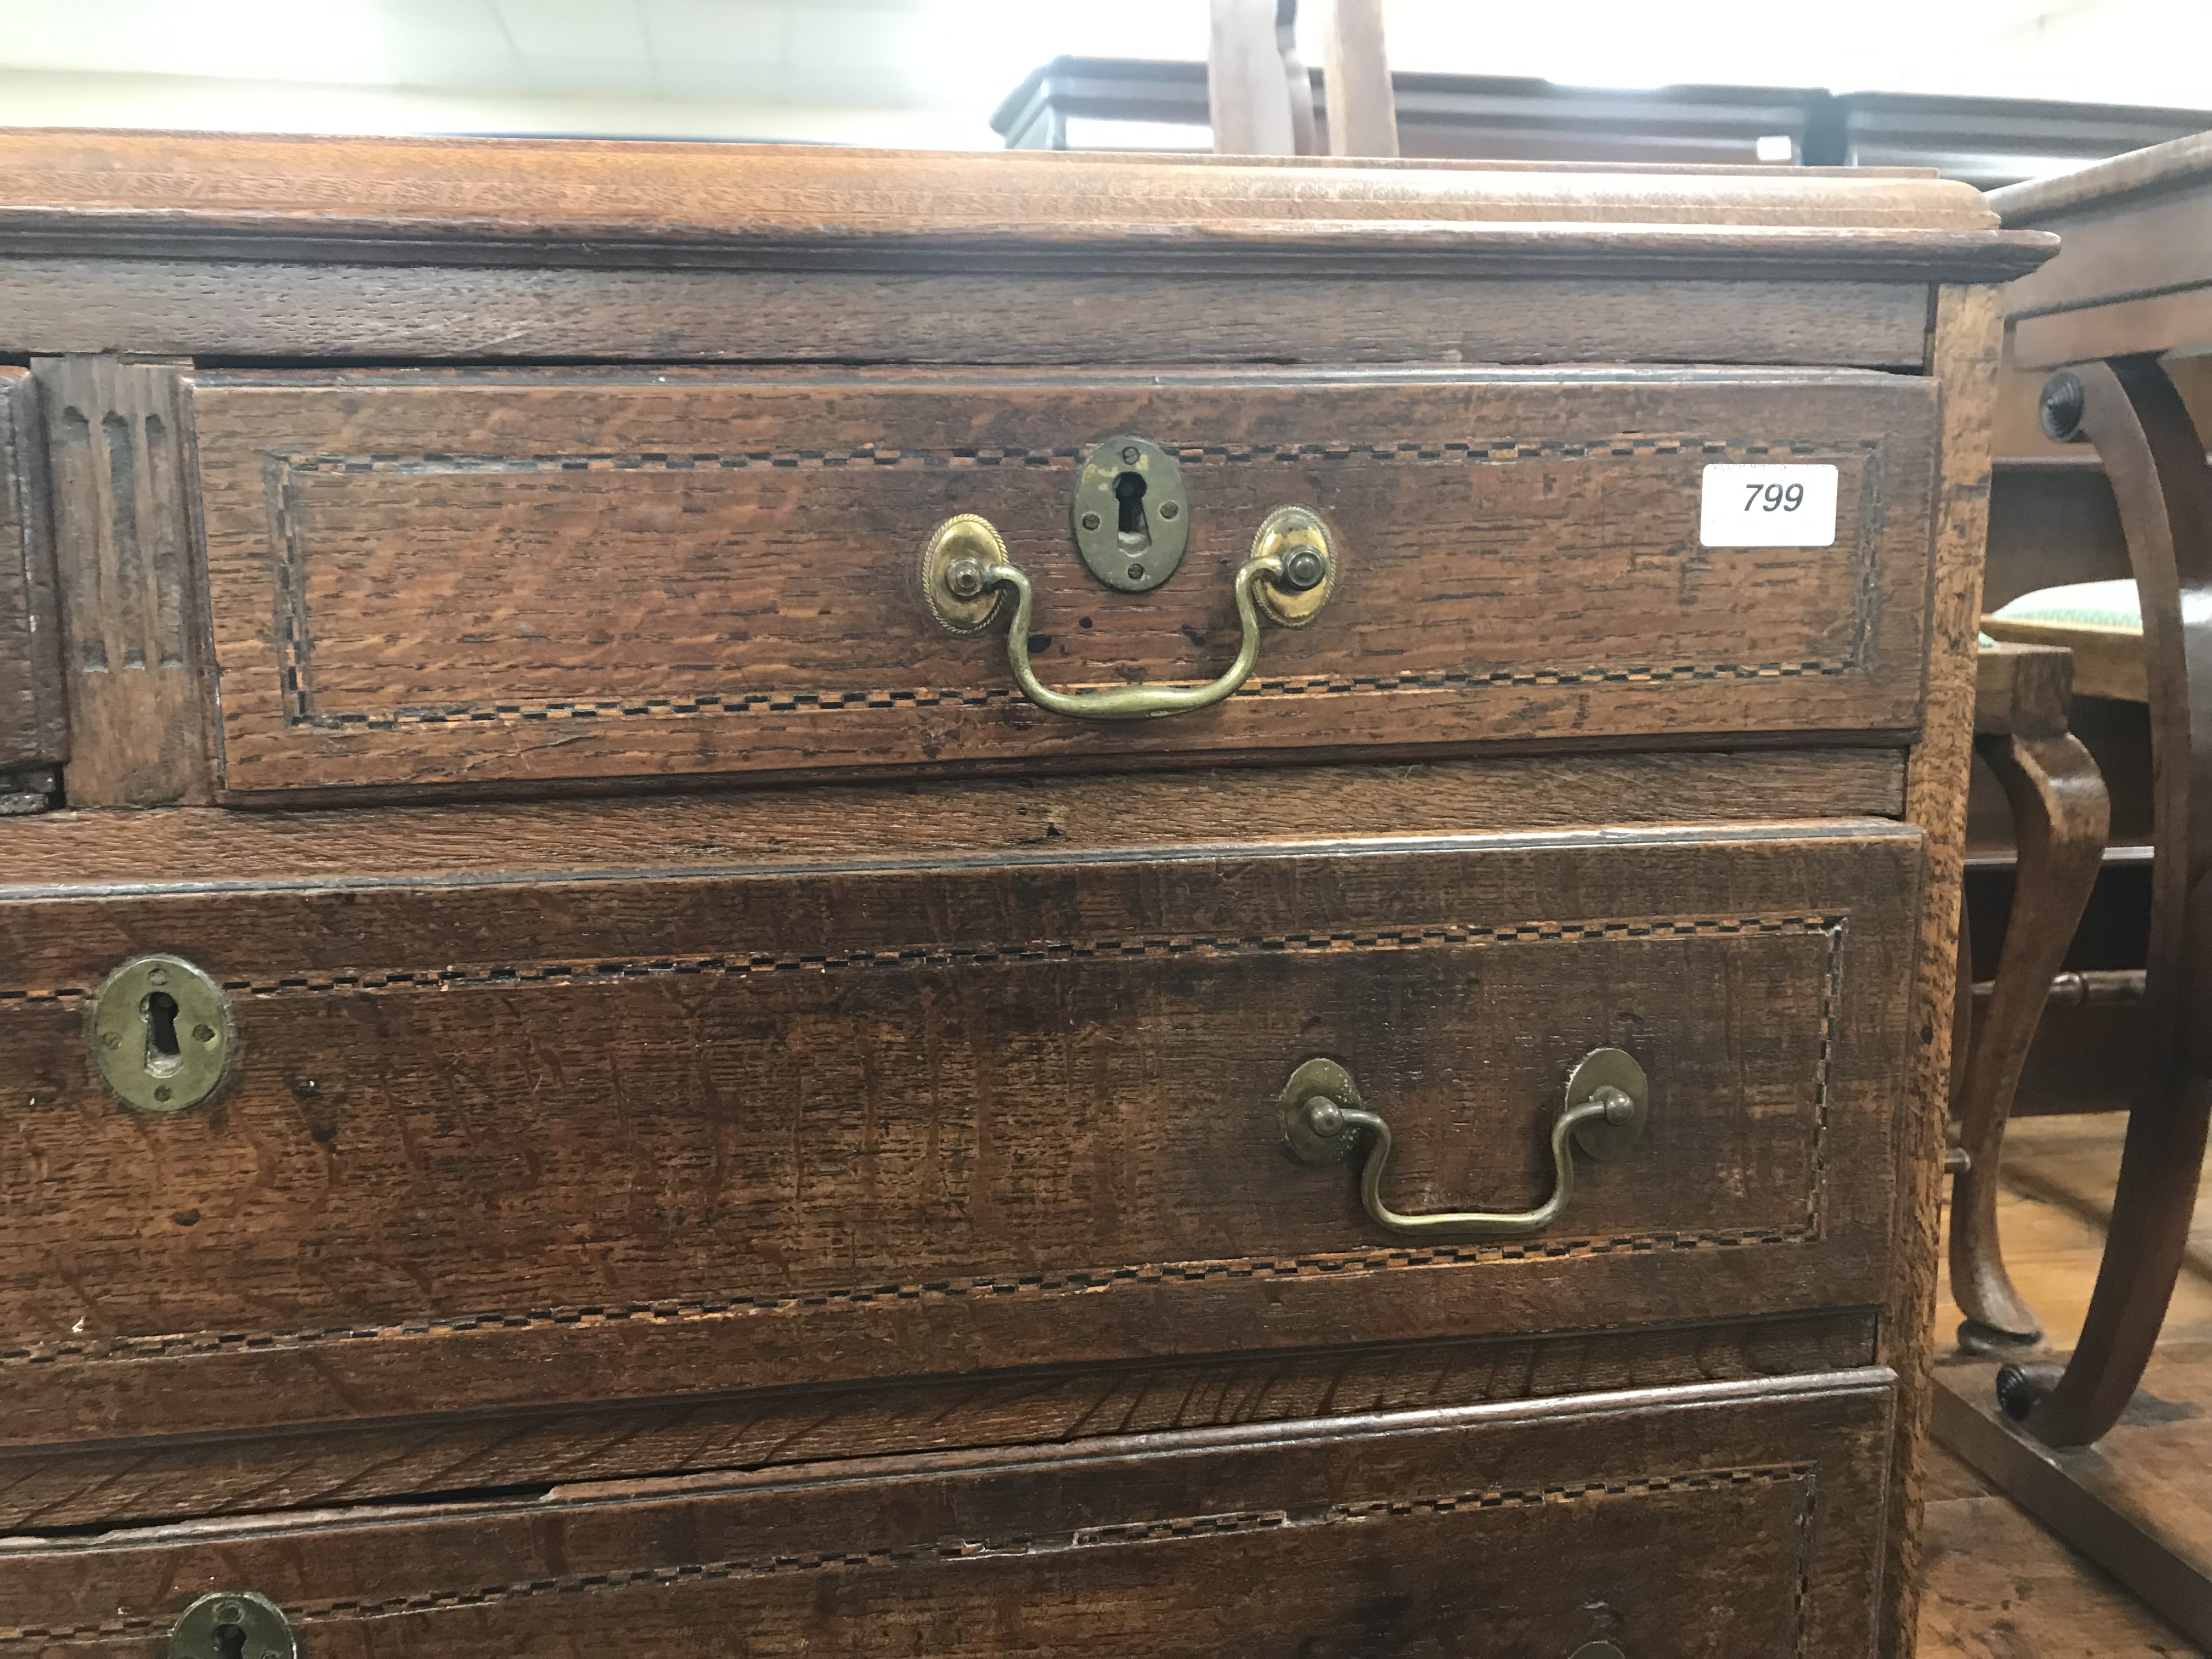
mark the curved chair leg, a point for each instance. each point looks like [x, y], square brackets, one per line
[2061, 813]
[2155, 460]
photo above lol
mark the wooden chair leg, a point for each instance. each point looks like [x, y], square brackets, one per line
[1363, 109]
[2155, 460]
[2061, 813]
[1259, 94]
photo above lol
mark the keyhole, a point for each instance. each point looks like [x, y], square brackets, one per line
[159, 1009]
[1135, 534]
[229, 1642]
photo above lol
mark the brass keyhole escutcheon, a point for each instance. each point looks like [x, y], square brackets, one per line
[162, 1034]
[1131, 516]
[232, 1624]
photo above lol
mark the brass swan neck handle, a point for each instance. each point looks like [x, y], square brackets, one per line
[966, 571]
[1603, 1117]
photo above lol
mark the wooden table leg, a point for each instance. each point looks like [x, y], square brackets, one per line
[2061, 813]
[2152, 452]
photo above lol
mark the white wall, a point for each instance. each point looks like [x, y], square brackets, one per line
[929, 72]
[66, 98]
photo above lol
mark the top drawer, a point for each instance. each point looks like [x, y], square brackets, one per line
[427, 579]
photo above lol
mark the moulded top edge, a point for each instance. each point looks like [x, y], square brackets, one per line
[551, 189]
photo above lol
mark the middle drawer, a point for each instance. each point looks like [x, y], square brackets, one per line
[780, 1125]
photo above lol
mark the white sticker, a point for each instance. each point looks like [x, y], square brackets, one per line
[1787, 505]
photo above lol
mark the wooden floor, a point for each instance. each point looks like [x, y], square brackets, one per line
[1998, 1585]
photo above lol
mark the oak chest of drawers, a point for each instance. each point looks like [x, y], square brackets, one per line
[855, 903]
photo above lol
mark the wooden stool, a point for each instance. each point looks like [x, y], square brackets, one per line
[2156, 460]
[2132, 283]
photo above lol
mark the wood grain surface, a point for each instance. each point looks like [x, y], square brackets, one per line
[134, 1480]
[2134, 1503]
[900, 821]
[1968, 345]
[698, 1130]
[471, 201]
[2135, 279]
[133, 644]
[2061, 815]
[2022, 690]
[32, 716]
[480, 577]
[229, 308]
[1999, 1585]
[2157, 169]
[1730, 1518]
[849, 1214]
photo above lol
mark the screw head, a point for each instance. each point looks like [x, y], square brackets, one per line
[2016, 1395]
[157, 977]
[203, 1033]
[2060, 408]
[1130, 455]
[1303, 569]
[229, 1613]
[1324, 1116]
[162, 1091]
[1136, 573]
[109, 1040]
[963, 579]
[1169, 509]
[1090, 521]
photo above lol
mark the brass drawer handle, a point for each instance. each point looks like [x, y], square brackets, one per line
[1323, 1117]
[1289, 576]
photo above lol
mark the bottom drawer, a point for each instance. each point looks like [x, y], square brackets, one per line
[1728, 1520]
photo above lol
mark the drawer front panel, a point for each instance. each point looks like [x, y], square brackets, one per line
[1715, 1522]
[434, 581]
[777, 1127]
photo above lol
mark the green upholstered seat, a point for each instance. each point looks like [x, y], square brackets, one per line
[2101, 623]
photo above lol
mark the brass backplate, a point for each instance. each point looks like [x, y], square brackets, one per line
[1609, 1068]
[1131, 516]
[232, 1624]
[964, 536]
[162, 1034]
[1318, 1077]
[1286, 531]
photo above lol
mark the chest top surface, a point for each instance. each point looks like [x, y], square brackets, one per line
[471, 201]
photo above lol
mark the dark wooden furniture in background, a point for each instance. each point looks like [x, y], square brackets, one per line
[718, 1116]
[1985, 140]
[2132, 283]
[2060, 816]
[2053, 522]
